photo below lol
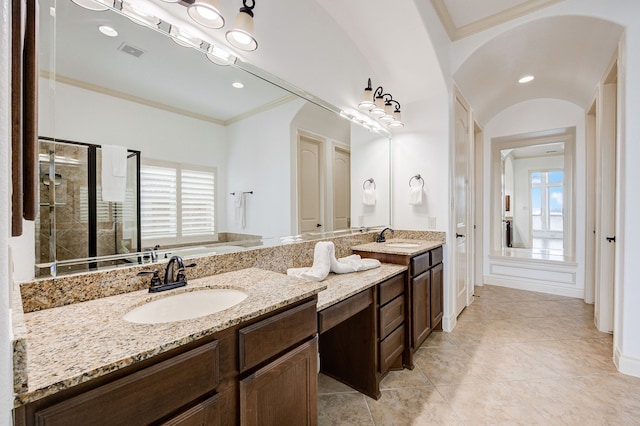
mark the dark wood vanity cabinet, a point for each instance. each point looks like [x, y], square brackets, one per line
[263, 369]
[423, 296]
[363, 337]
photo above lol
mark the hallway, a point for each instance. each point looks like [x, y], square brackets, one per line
[515, 357]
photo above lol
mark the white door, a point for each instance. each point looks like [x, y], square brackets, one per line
[606, 226]
[461, 206]
[309, 189]
[341, 188]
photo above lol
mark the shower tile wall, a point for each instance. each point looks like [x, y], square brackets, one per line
[71, 211]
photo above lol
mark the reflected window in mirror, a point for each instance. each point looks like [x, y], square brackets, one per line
[177, 203]
[532, 201]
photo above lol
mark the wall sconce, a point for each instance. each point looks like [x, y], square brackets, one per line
[241, 36]
[381, 106]
[206, 13]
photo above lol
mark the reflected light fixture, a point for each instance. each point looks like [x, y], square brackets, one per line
[381, 106]
[241, 36]
[108, 31]
[97, 5]
[183, 38]
[526, 79]
[237, 85]
[206, 13]
[220, 56]
[138, 15]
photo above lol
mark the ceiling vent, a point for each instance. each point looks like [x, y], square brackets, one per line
[131, 50]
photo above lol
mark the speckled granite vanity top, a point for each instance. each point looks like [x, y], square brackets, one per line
[343, 286]
[401, 246]
[72, 344]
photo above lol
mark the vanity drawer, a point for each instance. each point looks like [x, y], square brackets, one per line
[391, 316]
[391, 288]
[420, 263]
[264, 339]
[436, 255]
[334, 315]
[391, 348]
[142, 397]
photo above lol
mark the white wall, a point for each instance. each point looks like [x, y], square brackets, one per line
[369, 160]
[259, 161]
[423, 150]
[6, 364]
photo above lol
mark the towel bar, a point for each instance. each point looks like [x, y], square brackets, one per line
[416, 177]
[371, 181]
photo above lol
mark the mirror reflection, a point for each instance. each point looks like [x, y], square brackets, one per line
[533, 197]
[214, 159]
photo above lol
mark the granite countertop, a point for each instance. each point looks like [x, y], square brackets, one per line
[343, 286]
[72, 344]
[401, 246]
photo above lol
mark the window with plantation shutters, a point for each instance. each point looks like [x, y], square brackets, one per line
[177, 203]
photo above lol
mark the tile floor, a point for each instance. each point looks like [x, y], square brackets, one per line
[515, 357]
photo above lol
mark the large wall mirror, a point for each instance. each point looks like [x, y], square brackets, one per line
[210, 146]
[533, 195]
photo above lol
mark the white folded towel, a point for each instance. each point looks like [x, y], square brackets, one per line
[369, 197]
[114, 173]
[324, 261]
[321, 263]
[415, 195]
[240, 201]
[353, 263]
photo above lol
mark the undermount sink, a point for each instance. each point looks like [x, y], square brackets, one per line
[184, 306]
[403, 245]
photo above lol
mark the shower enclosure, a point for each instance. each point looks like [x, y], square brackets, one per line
[74, 226]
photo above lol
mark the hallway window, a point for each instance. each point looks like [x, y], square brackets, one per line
[547, 197]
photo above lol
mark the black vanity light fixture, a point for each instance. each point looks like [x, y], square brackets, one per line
[241, 36]
[381, 106]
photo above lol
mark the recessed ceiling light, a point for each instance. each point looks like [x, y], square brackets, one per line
[108, 31]
[238, 85]
[526, 79]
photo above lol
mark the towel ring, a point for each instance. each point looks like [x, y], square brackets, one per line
[371, 181]
[416, 177]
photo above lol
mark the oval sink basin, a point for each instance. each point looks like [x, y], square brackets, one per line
[403, 245]
[184, 306]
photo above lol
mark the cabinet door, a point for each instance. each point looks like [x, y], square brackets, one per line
[436, 296]
[206, 413]
[420, 308]
[285, 392]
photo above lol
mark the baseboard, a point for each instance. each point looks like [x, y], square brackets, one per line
[449, 323]
[531, 286]
[625, 364]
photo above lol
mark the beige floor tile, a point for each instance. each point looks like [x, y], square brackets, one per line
[328, 384]
[490, 403]
[347, 409]
[514, 357]
[412, 406]
[404, 379]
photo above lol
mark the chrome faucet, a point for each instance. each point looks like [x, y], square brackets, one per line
[380, 238]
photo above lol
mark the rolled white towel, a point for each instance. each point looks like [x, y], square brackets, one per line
[369, 197]
[353, 263]
[415, 195]
[322, 254]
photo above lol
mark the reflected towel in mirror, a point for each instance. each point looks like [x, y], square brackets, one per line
[415, 195]
[114, 173]
[369, 197]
